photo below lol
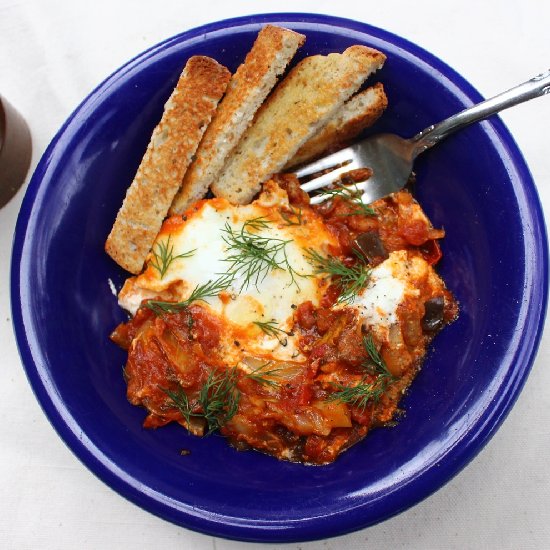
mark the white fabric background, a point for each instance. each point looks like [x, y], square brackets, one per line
[52, 53]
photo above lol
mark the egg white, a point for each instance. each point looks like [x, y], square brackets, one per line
[270, 298]
[390, 284]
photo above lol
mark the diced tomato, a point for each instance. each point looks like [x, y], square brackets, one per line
[305, 315]
[207, 327]
[431, 251]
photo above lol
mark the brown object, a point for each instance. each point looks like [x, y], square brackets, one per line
[358, 113]
[186, 116]
[308, 97]
[370, 245]
[272, 51]
[15, 151]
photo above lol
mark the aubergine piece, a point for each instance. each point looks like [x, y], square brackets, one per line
[371, 247]
[433, 315]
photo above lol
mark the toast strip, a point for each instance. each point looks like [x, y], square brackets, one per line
[302, 103]
[174, 141]
[358, 113]
[272, 51]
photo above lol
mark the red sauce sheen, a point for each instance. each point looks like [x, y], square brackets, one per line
[293, 411]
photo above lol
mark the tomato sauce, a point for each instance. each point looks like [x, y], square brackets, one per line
[302, 412]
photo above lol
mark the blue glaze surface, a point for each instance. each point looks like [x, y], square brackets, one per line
[475, 184]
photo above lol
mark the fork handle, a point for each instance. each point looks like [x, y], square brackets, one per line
[536, 87]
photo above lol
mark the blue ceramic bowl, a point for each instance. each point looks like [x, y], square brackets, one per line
[476, 185]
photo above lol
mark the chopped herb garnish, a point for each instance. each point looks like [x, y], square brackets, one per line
[271, 329]
[359, 395]
[294, 217]
[380, 367]
[163, 256]
[200, 292]
[352, 194]
[219, 398]
[260, 373]
[257, 224]
[217, 402]
[367, 389]
[181, 402]
[350, 279]
[254, 256]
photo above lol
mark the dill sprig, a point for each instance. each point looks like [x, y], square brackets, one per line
[350, 279]
[254, 256]
[367, 389]
[217, 402]
[260, 373]
[380, 367]
[200, 292]
[294, 217]
[163, 256]
[352, 194]
[219, 398]
[359, 395]
[181, 402]
[271, 329]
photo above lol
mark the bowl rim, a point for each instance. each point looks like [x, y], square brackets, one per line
[316, 528]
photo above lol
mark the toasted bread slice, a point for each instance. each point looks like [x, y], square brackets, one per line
[358, 113]
[300, 105]
[272, 51]
[186, 115]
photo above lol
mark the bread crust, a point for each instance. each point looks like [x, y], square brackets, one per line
[357, 114]
[300, 105]
[173, 143]
[273, 49]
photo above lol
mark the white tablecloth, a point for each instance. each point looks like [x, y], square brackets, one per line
[52, 53]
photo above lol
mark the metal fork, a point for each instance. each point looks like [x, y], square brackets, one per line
[391, 157]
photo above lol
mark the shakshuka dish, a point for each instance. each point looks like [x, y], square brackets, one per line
[289, 328]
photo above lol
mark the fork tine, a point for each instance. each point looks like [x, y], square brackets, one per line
[318, 199]
[324, 163]
[330, 177]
